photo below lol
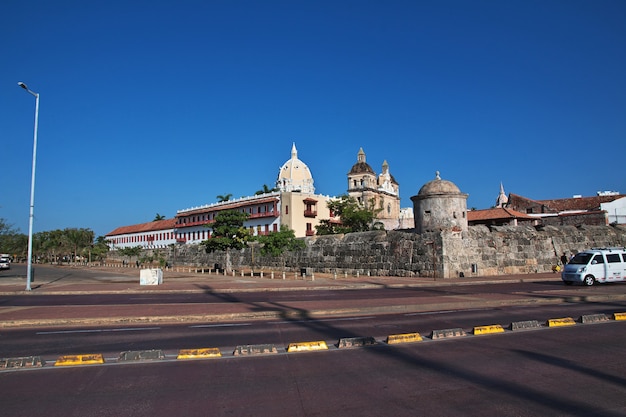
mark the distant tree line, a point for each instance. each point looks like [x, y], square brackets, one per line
[67, 245]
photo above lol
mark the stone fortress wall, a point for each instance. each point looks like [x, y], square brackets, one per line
[478, 251]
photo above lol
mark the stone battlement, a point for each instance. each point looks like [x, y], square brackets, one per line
[478, 251]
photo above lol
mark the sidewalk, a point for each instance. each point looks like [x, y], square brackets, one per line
[116, 280]
[113, 281]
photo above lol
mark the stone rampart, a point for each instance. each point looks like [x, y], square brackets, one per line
[479, 251]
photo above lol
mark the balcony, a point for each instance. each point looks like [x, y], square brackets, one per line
[310, 213]
[196, 223]
[310, 233]
[265, 214]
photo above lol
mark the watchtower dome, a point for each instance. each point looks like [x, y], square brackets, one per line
[440, 205]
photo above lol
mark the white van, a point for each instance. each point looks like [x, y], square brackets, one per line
[596, 265]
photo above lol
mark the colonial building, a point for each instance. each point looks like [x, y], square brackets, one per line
[377, 192]
[294, 204]
[152, 235]
[599, 210]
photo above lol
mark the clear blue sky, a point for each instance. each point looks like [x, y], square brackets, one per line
[155, 106]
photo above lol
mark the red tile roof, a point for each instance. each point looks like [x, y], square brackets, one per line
[496, 214]
[580, 203]
[144, 227]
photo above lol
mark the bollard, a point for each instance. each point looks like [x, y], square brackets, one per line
[357, 274]
[261, 274]
[272, 274]
[312, 276]
[335, 275]
[242, 272]
[345, 275]
[283, 274]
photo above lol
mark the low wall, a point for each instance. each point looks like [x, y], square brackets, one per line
[521, 249]
[479, 251]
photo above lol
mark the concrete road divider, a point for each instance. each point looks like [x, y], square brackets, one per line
[349, 342]
[307, 346]
[403, 338]
[494, 328]
[565, 321]
[70, 360]
[255, 349]
[619, 316]
[447, 333]
[593, 318]
[141, 355]
[199, 353]
[525, 325]
[22, 362]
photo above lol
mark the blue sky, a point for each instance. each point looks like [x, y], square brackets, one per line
[152, 106]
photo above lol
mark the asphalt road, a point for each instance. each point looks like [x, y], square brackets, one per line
[564, 371]
[569, 371]
[50, 343]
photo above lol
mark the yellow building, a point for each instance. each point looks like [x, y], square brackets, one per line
[294, 204]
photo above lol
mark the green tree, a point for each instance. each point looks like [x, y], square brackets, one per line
[158, 217]
[11, 240]
[78, 240]
[100, 248]
[227, 233]
[276, 243]
[51, 245]
[223, 198]
[354, 217]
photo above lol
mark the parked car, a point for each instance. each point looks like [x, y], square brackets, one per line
[5, 263]
[596, 265]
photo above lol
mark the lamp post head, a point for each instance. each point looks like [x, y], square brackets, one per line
[25, 87]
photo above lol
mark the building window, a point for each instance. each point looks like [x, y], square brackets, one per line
[286, 209]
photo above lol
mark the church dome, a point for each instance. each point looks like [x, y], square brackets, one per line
[361, 167]
[437, 187]
[295, 175]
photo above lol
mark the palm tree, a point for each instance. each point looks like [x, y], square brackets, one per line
[79, 239]
[223, 198]
[158, 217]
[266, 190]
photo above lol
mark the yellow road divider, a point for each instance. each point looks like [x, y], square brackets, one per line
[403, 338]
[307, 346]
[68, 360]
[199, 353]
[619, 316]
[494, 328]
[565, 321]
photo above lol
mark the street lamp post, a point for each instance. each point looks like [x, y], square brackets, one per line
[29, 268]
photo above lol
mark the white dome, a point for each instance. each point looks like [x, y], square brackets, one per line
[295, 175]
